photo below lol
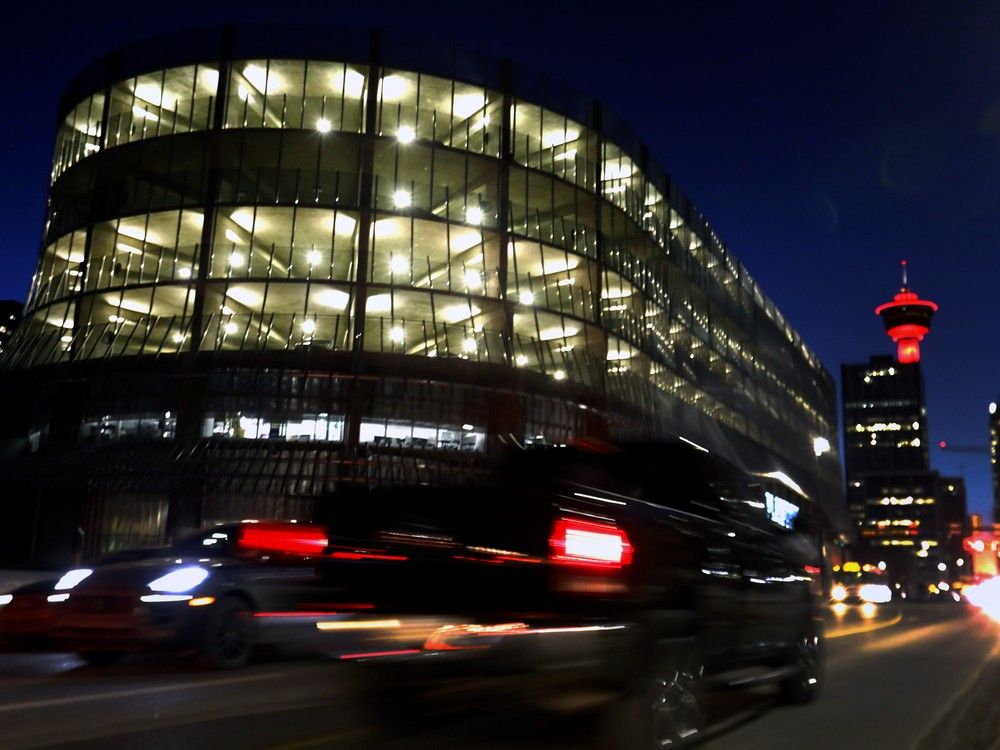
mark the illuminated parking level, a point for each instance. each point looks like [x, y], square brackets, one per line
[263, 277]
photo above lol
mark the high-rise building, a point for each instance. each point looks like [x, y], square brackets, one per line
[281, 262]
[885, 428]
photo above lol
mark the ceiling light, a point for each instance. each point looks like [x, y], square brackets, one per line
[393, 88]
[399, 264]
[243, 218]
[474, 215]
[559, 137]
[261, 79]
[126, 248]
[343, 224]
[466, 105]
[521, 360]
[557, 332]
[397, 335]
[525, 297]
[243, 295]
[314, 257]
[457, 313]
[233, 237]
[473, 280]
[144, 114]
[559, 264]
[559, 375]
[309, 326]
[402, 199]
[236, 260]
[354, 82]
[462, 238]
[184, 273]
[178, 338]
[332, 298]
[323, 125]
[469, 346]
[230, 327]
[379, 303]
[406, 134]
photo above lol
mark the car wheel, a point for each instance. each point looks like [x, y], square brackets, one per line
[664, 705]
[229, 635]
[807, 657]
[101, 658]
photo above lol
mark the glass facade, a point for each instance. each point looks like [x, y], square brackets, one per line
[368, 220]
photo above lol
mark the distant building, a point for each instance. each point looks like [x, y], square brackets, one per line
[10, 317]
[884, 417]
[900, 505]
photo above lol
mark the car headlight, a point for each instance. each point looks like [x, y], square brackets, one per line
[72, 578]
[838, 593]
[179, 581]
[6, 599]
[875, 592]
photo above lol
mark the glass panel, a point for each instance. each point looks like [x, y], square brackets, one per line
[327, 97]
[553, 143]
[421, 107]
[60, 270]
[177, 100]
[271, 242]
[79, 135]
[277, 315]
[155, 247]
[434, 325]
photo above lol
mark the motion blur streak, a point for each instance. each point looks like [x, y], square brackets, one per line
[376, 654]
[911, 637]
[858, 629]
[358, 625]
[985, 596]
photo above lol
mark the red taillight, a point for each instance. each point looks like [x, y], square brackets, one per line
[589, 543]
[292, 539]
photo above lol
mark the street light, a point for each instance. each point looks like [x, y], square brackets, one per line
[820, 446]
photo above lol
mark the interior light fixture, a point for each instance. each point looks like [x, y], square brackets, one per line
[406, 134]
[474, 215]
[402, 199]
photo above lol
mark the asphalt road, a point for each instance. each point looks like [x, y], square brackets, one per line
[906, 681]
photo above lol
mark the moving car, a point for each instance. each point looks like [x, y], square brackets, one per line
[202, 594]
[863, 585]
[629, 579]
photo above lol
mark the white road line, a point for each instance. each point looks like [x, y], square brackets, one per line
[137, 691]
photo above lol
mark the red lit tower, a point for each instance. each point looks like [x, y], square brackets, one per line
[907, 320]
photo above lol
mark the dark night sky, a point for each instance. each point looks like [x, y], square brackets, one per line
[823, 144]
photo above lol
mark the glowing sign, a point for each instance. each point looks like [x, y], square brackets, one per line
[780, 510]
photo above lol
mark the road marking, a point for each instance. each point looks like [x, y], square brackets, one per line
[867, 628]
[136, 691]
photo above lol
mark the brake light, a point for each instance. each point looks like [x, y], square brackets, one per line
[589, 543]
[292, 539]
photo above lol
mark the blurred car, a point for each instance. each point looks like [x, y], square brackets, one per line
[26, 618]
[204, 594]
[863, 585]
[629, 579]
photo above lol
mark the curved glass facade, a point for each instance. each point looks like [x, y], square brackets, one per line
[446, 263]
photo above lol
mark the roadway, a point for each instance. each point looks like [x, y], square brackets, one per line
[925, 678]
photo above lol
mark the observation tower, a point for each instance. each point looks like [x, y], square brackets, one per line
[907, 320]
